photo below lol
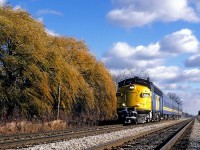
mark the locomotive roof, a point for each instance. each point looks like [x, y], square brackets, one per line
[141, 81]
[135, 80]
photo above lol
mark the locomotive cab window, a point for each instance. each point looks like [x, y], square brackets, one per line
[118, 94]
[145, 95]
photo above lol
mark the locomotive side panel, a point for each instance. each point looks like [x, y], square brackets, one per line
[157, 102]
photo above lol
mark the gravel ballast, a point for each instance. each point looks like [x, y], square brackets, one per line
[194, 141]
[90, 141]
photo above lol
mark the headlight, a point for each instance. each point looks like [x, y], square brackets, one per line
[123, 104]
[137, 105]
[131, 87]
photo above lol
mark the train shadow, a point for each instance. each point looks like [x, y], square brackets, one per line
[109, 122]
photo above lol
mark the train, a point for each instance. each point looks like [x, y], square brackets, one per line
[139, 100]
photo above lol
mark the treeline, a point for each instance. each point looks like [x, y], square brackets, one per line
[38, 70]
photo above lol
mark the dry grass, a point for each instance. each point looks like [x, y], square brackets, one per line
[30, 127]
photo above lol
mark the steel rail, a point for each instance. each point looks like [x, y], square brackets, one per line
[7, 138]
[119, 142]
[24, 140]
[14, 141]
[49, 133]
[172, 140]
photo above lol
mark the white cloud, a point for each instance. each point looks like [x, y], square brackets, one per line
[171, 77]
[137, 13]
[18, 7]
[197, 5]
[192, 75]
[193, 61]
[164, 73]
[174, 86]
[40, 19]
[122, 49]
[122, 55]
[191, 101]
[52, 33]
[124, 72]
[174, 74]
[49, 11]
[182, 41]
[2, 2]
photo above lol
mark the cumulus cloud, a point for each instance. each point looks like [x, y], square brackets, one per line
[164, 73]
[197, 5]
[174, 86]
[174, 74]
[193, 61]
[166, 77]
[191, 75]
[171, 75]
[191, 101]
[180, 41]
[137, 13]
[49, 11]
[122, 49]
[122, 55]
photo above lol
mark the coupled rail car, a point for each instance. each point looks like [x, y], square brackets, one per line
[140, 101]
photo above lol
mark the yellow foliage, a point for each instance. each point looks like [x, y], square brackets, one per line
[36, 65]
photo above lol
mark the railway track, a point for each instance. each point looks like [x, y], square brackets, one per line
[22, 140]
[26, 140]
[160, 138]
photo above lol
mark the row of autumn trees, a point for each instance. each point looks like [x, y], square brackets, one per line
[35, 65]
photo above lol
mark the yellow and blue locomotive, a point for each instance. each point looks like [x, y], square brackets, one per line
[140, 101]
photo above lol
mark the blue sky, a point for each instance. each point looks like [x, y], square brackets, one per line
[160, 38]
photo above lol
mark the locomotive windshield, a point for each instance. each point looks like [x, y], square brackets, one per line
[134, 81]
